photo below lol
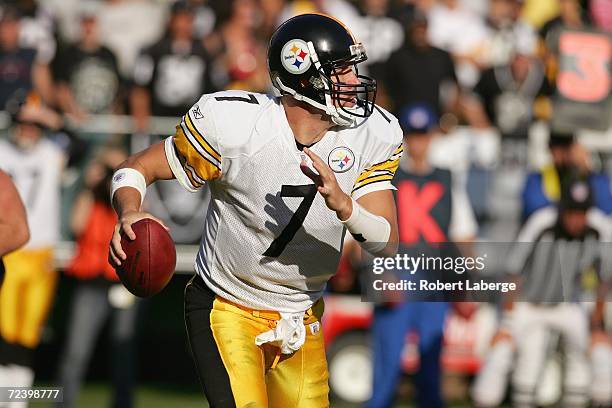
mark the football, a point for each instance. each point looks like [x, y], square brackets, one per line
[151, 259]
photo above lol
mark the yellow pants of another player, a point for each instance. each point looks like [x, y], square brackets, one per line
[26, 295]
[234, 371]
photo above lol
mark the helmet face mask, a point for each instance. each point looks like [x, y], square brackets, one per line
[308, 58]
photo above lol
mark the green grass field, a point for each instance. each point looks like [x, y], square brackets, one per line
[98, 395]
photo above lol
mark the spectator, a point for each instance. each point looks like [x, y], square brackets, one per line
[35, 165]
[506, 31]
[371, 23]
[37, 29]
[127, 27]
[88, 80]
[420, 72]
[507, 93]
[14, 231]
[238, 53]
[98, 294]
[461, 33]
[20, 69]
[173, 73]
[504, 100]
[542, 188]
[430, 211]
[205, 18]
[380, 34]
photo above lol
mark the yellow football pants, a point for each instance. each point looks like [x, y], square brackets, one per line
[26, 295]
[222, 338]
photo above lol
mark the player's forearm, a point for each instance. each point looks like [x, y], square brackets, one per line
[373, 223]
[150, 165]
[126, 200]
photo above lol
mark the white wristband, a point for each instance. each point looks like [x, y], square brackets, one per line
[128, 177]
[371, 231]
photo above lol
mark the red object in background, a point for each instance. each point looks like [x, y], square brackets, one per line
[347, 314]
[91, 260]
[151, 259]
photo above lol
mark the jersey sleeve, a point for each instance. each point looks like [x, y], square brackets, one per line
[380, 167]
[193, 151]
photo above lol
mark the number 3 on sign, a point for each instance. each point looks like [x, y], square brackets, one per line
[584, 75]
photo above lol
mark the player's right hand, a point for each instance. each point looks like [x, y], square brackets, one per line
[124, 225]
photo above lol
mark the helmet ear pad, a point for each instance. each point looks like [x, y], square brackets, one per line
[303, 55]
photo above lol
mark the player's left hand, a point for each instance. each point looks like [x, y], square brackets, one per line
[327, 185]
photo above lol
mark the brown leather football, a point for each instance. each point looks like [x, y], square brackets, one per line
[151, 259]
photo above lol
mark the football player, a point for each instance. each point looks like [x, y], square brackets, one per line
[288, 176]
[35, 163]
[14, 231]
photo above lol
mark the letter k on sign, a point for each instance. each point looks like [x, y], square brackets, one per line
[414, 207]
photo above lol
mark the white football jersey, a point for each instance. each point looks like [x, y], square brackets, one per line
[37, 176]
[269, 241]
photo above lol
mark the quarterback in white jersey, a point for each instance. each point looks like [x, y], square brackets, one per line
[288, 176]
[256, 196]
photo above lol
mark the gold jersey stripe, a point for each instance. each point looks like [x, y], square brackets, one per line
[202, 166]
[191, 178]
[372, 181]
[195, 181]
[194, 174]
[199, 151]
[197, 145]
[389, 165]
[195, 133]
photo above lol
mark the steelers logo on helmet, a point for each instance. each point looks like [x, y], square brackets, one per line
[295, 56]
[341, 159]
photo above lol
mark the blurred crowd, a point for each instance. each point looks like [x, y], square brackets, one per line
[507, 90]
